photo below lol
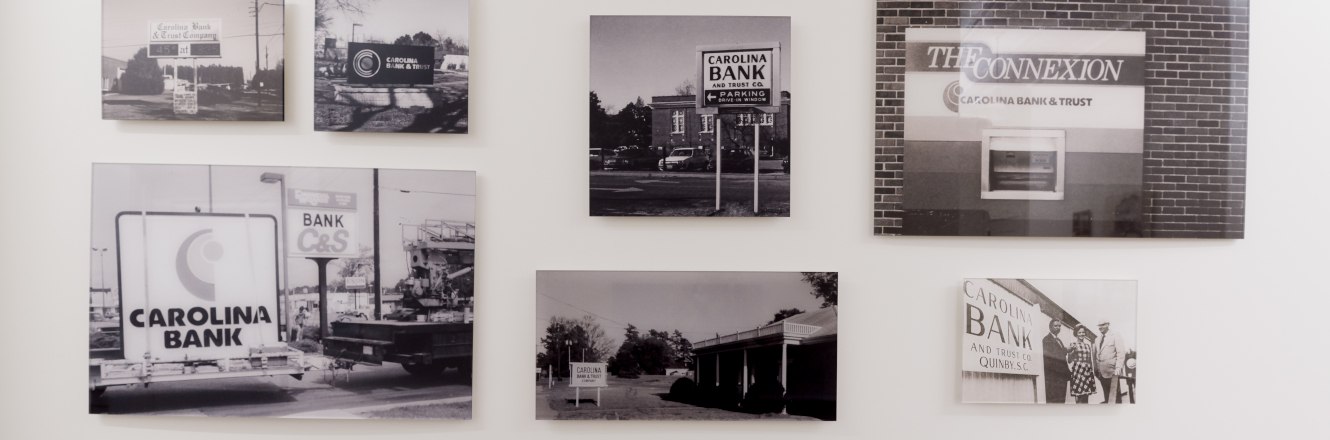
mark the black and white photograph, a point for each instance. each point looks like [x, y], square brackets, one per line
[392, 66]
[690, 116]
[614, 345]
[1070, 128]
[193, 60]
[240, 291]
[1048, 341]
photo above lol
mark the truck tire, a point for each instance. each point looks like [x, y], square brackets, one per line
[424, 369]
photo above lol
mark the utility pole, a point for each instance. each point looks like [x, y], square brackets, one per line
[378, 287]
[255, 81]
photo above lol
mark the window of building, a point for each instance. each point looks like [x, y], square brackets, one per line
[708, 123]
[746, 119]
[677, 116]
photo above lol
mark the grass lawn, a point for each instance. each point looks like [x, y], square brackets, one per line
[451, 117]
[445, 411]
[161, 108]
[644, 398]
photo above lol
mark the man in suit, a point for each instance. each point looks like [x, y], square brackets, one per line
[1112, 357]
[1056, 373]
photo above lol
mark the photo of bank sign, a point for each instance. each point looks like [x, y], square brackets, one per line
[714, 140]
[686, 345]
[1022, 132]
[1048, 341]
[391, 66]
[193, 60]
[206, 280]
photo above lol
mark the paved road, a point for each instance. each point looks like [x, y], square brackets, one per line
[682, 193]
[279, 396]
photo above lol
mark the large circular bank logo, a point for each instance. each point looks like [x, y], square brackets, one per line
[366, 63]
[195, 264]
[951, 96]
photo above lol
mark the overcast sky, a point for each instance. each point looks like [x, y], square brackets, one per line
[125, 29]
[238, 190]
[386, 20]
[647, 56]
[1091, 300]
[698, 304]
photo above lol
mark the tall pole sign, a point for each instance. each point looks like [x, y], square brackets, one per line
[192, 39]
[326, 225]
[738, 78]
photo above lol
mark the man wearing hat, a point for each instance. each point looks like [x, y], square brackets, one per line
[1111, 353]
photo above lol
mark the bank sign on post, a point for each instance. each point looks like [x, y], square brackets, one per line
[588, 375]
[321, 224]
[739, 75]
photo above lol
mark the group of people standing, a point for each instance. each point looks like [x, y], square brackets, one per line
[1080, 363]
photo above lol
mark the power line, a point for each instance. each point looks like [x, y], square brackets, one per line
[584, 310]
[423, 191]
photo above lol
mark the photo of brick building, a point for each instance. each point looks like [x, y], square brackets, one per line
[1192, 142]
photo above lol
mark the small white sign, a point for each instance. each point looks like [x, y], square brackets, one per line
[322, 233]
[588, 375]
[356, 282]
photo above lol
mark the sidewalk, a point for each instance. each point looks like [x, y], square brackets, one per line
[355, 413]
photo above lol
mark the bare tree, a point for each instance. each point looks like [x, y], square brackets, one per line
[685, 88]
[324, 8]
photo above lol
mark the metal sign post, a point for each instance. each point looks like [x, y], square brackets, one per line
[739, 78]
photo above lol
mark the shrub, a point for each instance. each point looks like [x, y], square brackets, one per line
[142, 76]
[765, 397]
[683, 390]
[306, 346]
[310, 332]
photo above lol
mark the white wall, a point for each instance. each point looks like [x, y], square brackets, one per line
[1230, 331]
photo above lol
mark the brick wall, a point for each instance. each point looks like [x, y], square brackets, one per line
[1196, 99]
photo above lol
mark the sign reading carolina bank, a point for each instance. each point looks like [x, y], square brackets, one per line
[184, 30]
[1021, 78]
[743, 75]
[197, 286]
[998, 331]
[321, 224]
[588, 374]
[369, 63]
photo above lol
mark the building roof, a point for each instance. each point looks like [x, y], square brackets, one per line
[825, 319]
[813, 327]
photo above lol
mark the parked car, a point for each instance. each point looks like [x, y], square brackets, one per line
[683, 159]
[597, 159]
[733, 160]
[630, 159]
[785, 163]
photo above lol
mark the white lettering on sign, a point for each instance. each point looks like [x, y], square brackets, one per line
[185, 30]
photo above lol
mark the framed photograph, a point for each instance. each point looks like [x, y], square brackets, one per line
[1048, 341]
[686, 345]
[690, 116]
[1075, 122]
[392, 66]
[193, 60]
[239, 291]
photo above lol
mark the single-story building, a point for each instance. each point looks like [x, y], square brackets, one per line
[799, 353]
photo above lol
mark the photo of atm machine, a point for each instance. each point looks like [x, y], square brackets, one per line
[1023, 164]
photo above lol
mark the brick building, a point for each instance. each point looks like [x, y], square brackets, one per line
[1194, 158]
[676, 124]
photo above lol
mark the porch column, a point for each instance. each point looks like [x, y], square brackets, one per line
[784, 358]
[745, 372]
[718, 369]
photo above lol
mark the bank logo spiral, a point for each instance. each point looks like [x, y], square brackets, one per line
[366, 63]
[951, 96]
[195, 264]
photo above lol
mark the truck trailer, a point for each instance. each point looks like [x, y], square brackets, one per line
[199, 300]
